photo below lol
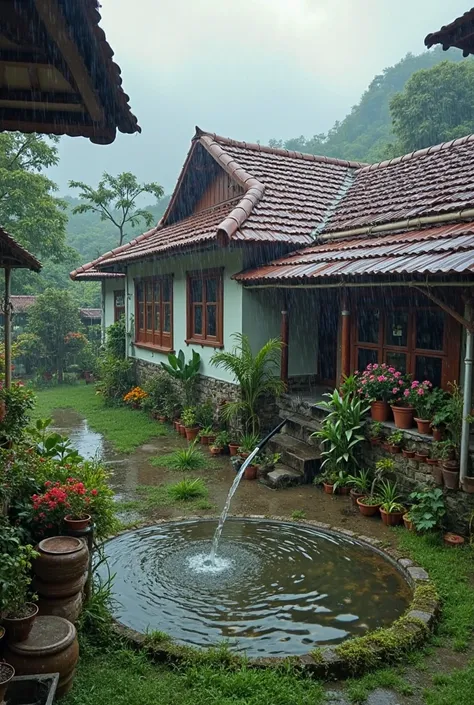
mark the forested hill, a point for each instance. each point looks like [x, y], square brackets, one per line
[366, 131]
[91, 236]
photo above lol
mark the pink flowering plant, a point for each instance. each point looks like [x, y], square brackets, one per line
[420, 396]
[381, 383]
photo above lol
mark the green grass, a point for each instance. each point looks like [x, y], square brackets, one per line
[184, 459]
[452, 571]
[359, 689]
[124, 428]
[454, 689]
[187, 490]
[123, 677]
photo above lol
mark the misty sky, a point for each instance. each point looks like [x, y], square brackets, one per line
[247, 69]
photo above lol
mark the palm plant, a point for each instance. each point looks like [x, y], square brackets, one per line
[361, 481]
[257, 376]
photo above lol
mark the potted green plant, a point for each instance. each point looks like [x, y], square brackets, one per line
[391, 510]
[395, 441]
[6, 674]
[441, 413]
[215, 449]
[438, 450]
[234, 448]
[380, 384]
[360, 484]
[188, 419]
[421, 455]
[409, 525]
[327, 479]
[269, 460]
[207, 436]
[370, 503]
[375, 432]
[341, 483]
[17, 611]
[248, 443]
[408, 452]
[428, 509]
[421, 397]
[222, 440]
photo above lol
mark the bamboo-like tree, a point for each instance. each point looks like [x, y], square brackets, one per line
[257, 375]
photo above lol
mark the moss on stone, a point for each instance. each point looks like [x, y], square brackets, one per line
[426, 598]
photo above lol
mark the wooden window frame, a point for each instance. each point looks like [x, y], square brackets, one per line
[117, 315]
[449, 355]
[214, 341]
[150, 336]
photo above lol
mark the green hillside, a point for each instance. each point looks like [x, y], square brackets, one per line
[364, 133]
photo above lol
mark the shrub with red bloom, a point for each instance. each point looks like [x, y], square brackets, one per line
[60, 499]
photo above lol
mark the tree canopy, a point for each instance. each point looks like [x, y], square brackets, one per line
[29, 210]
[436, 105]
[115, 200]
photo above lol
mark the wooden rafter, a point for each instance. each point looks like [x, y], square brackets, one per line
[445, 307]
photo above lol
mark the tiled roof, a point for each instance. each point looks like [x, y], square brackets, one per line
[431, 181]
[459, 33]
[447, 249]
[90, 313]
[12, 254]
[93, 274]
[21, 303]
[287, 195]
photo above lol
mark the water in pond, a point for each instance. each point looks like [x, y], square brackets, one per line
[276, 589]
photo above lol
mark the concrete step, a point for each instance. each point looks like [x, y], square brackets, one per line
[298, 455]
[291, 405]
[283, 476]
[300, 427]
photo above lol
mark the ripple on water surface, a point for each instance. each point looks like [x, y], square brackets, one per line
[277, 588]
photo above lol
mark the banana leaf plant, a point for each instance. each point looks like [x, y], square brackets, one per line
[184, 372]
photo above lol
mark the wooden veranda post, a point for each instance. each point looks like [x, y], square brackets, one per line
[345, 336]
[284, 335]
[7, 317]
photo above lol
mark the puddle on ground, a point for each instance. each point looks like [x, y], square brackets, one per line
[127, 472]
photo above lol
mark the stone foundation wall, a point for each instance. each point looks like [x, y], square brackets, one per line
[412, 475]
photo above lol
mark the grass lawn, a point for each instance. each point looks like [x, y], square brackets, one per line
[125, 428]
[123, 677]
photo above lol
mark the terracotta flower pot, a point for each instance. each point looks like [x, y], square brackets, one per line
[6, 674]
[182, 430]
[408, 453]
[250, 472]
[432, 461]
[451, 474]
[393, 448]
[424, 426]
[468, 485]
[18, 628]
[375, 441]
[177, 424]
[74, 524]
[343, 490]
[191, 433]
[367, 510]
[162, 419]
[214, 450]
[437, 434]
[233, 448]
[380, 411]
[355, 496]
[408, 523]
[453, 540]
[437, 473]
[244, 455]
[403, 416]
[328, 488]
[421, 456]
[391, 518]
[208, 440]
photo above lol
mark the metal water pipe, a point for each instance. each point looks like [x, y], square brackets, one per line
[467, 395]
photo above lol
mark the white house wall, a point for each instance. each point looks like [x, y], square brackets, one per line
[178, 266]
[109, 286]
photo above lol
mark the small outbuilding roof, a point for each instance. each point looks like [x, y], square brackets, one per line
[13, 255]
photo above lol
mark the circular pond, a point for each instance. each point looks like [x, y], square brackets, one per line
[276, 588]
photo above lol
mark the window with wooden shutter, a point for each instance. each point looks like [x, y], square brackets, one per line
[154, 312]
[205, 308]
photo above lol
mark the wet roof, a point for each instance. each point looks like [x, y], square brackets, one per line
[13, 255]
[58, 72]
[91, 313]
[93, 274]
[286, 196]
[459, 33]
[447, 249]
[21, 303]
[432, 181]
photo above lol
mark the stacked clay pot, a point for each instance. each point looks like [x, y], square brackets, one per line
[51, 647]
[60, 575]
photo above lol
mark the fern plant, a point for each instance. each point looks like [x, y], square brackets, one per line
[257, 375]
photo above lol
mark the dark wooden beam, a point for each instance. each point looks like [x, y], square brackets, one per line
[53, 20]
[36, 96]
[446, 308]
[345, 336]
[284, 337]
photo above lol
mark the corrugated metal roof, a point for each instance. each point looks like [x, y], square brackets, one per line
[442, 250]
